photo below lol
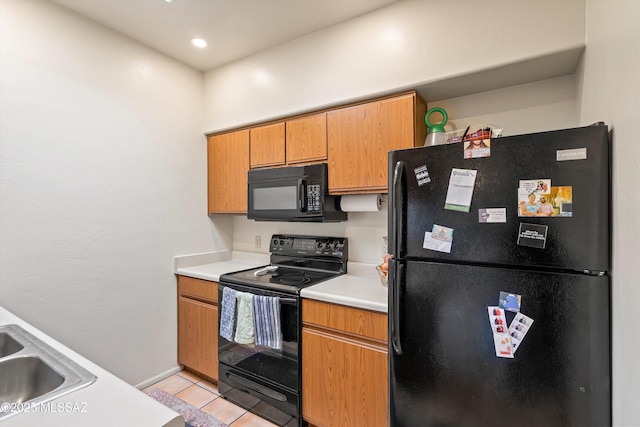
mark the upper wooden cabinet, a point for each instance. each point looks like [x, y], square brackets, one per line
[227, 166]
[354, 140]
[307, 139]
[296, 141]
[359, 139]
[267, 145]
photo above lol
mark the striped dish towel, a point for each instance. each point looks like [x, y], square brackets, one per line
[266, 318]
[228, 313]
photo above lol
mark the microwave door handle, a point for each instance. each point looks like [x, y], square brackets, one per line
[302, 200]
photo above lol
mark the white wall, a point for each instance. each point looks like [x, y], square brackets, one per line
[533, 107]
[609, 91]
[102, 182]
[405, 45]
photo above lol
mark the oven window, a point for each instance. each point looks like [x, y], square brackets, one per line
[275, 198]
[280, 366]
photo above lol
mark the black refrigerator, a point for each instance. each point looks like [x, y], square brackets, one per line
[499, 286]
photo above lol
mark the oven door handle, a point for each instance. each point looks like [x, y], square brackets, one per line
[256, 387]
[282, 300]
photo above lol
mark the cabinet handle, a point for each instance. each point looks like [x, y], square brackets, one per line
[256, 387]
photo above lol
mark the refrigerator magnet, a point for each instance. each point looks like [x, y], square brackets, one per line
[510, 302]
[477, 148]
[561, 200]
[538, 186]
[460, 190]
[518, 329]
[532, 235]
[542, 200]
[501, 338]
[492, 215]
[422, 175]
[439, 239]
[503, 346]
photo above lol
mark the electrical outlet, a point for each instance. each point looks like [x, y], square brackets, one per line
[258, 242]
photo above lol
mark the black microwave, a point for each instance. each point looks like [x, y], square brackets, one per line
[292, 193]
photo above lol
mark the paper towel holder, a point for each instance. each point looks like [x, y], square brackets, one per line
[362, 202]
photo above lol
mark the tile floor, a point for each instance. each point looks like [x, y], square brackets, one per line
[204, 395]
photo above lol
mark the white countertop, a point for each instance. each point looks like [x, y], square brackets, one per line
[359, 288]
[107, 402]
[350, 290]
[214, 264]
[214, 270]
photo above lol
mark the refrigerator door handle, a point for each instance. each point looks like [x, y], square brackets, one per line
[397, 283]
[398, 210]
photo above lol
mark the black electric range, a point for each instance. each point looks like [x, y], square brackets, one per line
[268, 381]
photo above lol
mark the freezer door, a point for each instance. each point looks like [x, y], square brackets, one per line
[443, 366]
[577, 238]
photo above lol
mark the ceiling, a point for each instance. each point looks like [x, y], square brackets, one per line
[233, 28]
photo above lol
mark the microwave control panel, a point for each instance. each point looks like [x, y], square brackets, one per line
[313, 198]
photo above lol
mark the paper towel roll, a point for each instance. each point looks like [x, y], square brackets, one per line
[361, 203]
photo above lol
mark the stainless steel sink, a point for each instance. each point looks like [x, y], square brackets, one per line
[8, 345]
[34, 372]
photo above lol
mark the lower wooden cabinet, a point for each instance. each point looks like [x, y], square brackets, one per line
[198, 326]
[344, 366]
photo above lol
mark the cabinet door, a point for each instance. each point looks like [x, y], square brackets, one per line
[307, 139]
[359, 139]
[267, 145]
[198, 336]
[227, 166]
[344, 383]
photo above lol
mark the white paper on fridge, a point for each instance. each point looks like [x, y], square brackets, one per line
[460, 190]
[501, 337]
[439, 239]
[518, 329]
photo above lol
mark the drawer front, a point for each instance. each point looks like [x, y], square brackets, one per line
[352, 321]
[198, 288]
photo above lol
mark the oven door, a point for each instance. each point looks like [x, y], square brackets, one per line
[264, 380]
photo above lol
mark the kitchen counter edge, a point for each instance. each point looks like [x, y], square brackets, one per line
[352, 291]
[358, 289]
[106, 402]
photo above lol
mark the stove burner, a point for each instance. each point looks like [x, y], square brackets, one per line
[292, 278]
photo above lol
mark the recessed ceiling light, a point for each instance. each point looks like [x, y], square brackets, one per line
[168, 1]
[199, 43]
